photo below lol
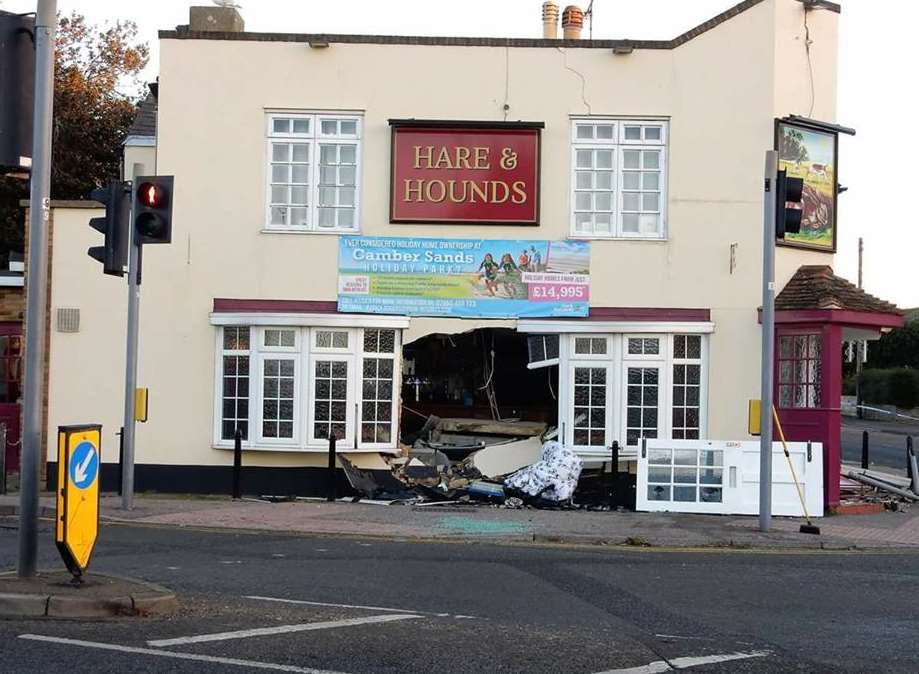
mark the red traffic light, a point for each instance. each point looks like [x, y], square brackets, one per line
[151, 195]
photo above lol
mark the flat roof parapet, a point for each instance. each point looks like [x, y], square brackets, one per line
[185, 33]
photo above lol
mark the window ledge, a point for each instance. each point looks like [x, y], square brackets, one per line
[643, 239]
[315, 449]
[327, 232]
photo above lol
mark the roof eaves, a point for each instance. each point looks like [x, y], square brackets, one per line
[183, 33]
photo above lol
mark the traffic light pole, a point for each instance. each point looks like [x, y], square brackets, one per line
[765, 438]
[130, 375]
[37, 288]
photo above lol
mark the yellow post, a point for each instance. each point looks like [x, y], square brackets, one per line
[753, 417]
[141, 397]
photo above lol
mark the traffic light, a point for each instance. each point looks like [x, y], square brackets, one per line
[153, 209]
[788, 191]
[113, 254]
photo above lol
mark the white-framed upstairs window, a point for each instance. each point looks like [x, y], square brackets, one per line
[618, 178]
[313, 172]
[308, 383]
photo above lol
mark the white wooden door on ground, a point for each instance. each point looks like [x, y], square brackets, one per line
[707, 476]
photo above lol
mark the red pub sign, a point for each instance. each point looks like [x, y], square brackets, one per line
[465, 172]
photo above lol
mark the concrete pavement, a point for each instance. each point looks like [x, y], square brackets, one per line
[495, 524]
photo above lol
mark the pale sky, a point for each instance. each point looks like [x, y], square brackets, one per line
[877, 46]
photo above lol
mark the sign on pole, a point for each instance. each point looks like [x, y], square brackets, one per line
[79, 462]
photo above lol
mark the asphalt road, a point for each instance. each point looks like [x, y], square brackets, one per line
[362, 607]
[886, 443]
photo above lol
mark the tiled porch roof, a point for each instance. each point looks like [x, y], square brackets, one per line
[817, 287]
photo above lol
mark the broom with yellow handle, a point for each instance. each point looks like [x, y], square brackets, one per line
[810, 527]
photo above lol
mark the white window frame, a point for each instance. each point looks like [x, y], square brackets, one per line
[305, 354]
[617, 360]
[611, 398]
[617, 144]
[309, 381]
[278, 354]
[396, 388]
[664, 403]
[314, 138]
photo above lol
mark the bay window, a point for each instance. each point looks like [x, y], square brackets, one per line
[626, 387]
[309, 384]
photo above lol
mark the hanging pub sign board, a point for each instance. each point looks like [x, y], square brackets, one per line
[79, 461]
[462, 173]
[466, 278]
[810, 153]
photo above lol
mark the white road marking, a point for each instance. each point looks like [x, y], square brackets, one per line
[651, 668]
[254, 664]
[358, 606]
[677, 636]
[683, 663]
[280, 629]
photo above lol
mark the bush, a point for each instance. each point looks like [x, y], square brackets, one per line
[896, 386]
[904, 388]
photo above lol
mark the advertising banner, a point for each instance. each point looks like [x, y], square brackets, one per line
[451, 173]
[810, 154]
[463, 277]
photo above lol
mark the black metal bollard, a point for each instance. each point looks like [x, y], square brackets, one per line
[120, 458]
[865, 450]
[331, 490]
[614, 472]
[909, 455]
[237, 464]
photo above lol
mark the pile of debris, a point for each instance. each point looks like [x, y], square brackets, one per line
[868, 486]
[474, 461]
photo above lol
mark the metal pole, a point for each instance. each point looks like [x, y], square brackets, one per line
[331, 490]
[120, 458]
[36, 287]
[864, 450]
[909, 457]
[237, 464]
[614, 472]
[861, 250]
[858, 344]
[768, 339]
[3, 458]
[130, 372]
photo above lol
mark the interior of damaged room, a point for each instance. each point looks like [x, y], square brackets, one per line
[479, 425]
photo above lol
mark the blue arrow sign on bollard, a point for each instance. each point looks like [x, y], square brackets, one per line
[84, 465]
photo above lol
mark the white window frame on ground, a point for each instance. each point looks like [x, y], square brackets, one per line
[630, 203]
[305, 354]
[312, 188]
[617, 362]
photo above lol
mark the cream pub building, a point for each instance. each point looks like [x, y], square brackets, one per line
[643, 157]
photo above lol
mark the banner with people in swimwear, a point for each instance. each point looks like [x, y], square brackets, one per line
[501, 278]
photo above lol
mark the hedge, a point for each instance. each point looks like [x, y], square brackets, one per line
[893, 386]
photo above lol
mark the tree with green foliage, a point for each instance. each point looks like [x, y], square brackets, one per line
[898, 348]
[96, 88]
